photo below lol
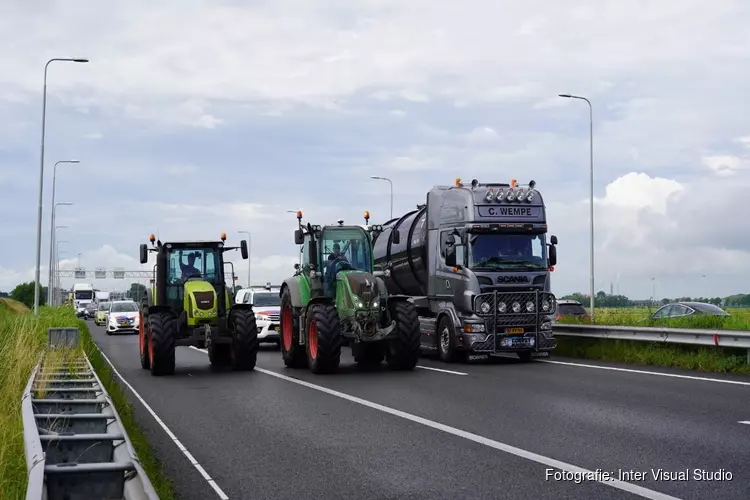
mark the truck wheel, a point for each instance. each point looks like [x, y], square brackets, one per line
[219, 355]
[403, 348]
[145, 360]
[163, 331]
[292, 353]
[244, 339]
[323, 338]
[446, 341]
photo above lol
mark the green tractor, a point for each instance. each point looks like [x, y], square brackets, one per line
[335, 298]
[189, 305]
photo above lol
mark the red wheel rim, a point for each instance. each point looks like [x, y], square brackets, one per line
[150, 345]
[312, 339]
[140, 333]
[286, 327]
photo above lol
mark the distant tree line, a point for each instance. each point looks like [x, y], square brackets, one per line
[604, 300]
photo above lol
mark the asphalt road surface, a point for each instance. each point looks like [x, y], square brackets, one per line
[488, 431]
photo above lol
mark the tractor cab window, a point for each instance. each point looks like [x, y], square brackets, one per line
[185, 263]
[343, 249]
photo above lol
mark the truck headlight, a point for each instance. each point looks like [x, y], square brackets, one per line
[485, 307]
[547, 326]
[530, 306]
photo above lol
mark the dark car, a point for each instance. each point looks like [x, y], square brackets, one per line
[90, 310]
[570, 309]
[678, 310]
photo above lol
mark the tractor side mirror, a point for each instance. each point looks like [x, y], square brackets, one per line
[299, 238]
[395, 237]
[144, 253]
[243, 249]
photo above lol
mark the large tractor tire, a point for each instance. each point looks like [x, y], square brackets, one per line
[292, 353]
[404, 345]
[162, 332]
[245, 343]
[143, 344]
[324, 339]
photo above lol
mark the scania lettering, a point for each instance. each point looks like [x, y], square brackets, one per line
[476, 262]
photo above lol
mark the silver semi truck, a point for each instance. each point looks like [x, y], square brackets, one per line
[476, 261]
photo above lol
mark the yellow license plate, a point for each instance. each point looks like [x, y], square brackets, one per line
[514, 330]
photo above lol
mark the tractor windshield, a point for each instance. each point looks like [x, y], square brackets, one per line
[202, 263]
[347, 246]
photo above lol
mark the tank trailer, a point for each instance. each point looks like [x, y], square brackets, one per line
[476, 262]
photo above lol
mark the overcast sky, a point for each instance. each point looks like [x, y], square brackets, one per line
[195, 117]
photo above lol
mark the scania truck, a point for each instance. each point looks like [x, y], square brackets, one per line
[476, 262]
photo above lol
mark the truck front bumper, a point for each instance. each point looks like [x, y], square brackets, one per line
[476, 343]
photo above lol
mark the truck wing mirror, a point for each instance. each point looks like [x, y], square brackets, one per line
[299, 238]
[553, 239]
[243, 249]
[552, 255]
[395, 237]
[144, 253]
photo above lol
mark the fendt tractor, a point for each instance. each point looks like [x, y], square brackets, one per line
[189, 305]
[335, 299]
[476, 263]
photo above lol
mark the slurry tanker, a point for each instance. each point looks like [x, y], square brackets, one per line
[476, 262]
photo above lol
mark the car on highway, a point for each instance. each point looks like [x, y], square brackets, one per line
[101, 313]
[89, 311]
[679, 310]
[122, 317]
[266, 304]
[570, 309]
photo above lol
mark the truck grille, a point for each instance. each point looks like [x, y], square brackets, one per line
[273, 317]
[487, 306]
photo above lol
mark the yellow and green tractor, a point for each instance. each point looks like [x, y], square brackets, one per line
[189, 304]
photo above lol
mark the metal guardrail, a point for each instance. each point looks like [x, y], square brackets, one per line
[687, 336]
[76, 445]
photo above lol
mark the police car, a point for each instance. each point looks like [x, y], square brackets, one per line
[266, 305]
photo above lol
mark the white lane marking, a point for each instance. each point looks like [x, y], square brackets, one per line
[441, 370]
[744, 422]
[171, 435]
[550, 462]
[674, 375]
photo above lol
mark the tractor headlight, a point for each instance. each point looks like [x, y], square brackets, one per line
[516, 307]
[375, 303]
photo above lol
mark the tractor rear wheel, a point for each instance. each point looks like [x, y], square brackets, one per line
[324, 339]
[245, 343]
[142, 344]
[403, 347]
[163, 332]
[292, 353]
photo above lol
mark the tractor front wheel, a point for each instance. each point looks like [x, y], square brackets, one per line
[244, 351]
[292, 353]
[323, 338]
[403, 347]
[143, 344]
[162, 332]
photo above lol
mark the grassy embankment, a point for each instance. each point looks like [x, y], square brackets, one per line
[702, 358]
[22, 339]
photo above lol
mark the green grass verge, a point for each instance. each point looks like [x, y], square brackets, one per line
[739, 319]
[162, 484]
[700, 358]
[22, 339]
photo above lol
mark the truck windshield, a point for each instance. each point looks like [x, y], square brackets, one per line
[266, 299]
[84, 295]
[194, 262]
[507, 251]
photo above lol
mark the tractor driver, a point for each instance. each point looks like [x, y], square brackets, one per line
[189, 270]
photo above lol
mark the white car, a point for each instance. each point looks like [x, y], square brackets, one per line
[266, 306]
[122, 317]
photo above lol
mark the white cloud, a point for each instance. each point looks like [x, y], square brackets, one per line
[481, 135]
[725, 166]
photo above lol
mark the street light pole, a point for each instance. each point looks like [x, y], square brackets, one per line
[58, 281]
[51, 280]
[37, 286]
[52, 218]
[591, 194]
[389, 182]
[249, 255]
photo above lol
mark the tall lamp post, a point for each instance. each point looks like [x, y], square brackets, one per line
[53, 220]
[249, 255]
[52, 283]
[58, 281]
[41, 182]
[389, 182]
[591, 194]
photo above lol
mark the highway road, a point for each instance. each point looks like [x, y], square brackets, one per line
[472, 432]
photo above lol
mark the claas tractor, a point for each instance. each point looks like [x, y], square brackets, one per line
[335, 299]
[189, 305]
